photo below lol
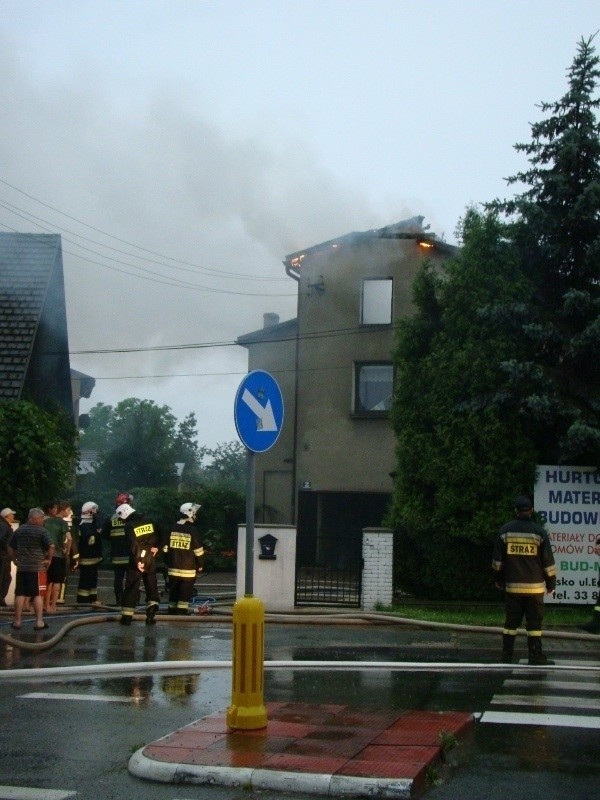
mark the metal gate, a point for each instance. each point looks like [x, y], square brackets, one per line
[329, 545]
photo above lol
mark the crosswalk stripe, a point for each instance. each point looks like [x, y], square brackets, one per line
[27, 793]
[537, 692]
[544, 700]
[95, 698]
[547, 720]
[569, 686]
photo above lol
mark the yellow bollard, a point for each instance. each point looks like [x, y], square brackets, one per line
[247, 710]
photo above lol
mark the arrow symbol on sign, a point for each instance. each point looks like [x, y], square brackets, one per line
[266, 418]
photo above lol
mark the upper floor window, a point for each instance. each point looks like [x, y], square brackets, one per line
[373, 387]
[376, 301]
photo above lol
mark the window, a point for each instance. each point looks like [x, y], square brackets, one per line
[373, 387]
[376, 305]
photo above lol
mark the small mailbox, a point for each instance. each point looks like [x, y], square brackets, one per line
[267, 543]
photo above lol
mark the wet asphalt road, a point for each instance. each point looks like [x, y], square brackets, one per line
[77, 735]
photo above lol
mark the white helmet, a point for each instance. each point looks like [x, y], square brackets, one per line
[89, 508]
[189, 510]
[124, 510]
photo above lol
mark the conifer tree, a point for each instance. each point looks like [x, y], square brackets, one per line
[499, 369]
[555, 224]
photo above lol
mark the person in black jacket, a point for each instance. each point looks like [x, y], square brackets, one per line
[143, 541]
[523, 566]
[184, 553]
[7, 517]
[88, 554]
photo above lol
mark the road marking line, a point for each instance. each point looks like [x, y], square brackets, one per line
[570, 686]
[544, 700]
[557, 720]
[563, 662]
[26, 793]
[95, 698]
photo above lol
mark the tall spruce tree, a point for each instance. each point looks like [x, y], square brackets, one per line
[498, 370]
[555, 224]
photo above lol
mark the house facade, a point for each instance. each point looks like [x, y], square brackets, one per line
[330, 471]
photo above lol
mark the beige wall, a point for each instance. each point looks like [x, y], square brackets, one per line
[335, 450]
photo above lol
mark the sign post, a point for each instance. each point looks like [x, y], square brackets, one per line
[258, 412]
[250, 506]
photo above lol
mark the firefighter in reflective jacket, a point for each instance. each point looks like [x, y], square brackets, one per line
[142, 538]
[523, 566]
[113, 531]
[184, 553]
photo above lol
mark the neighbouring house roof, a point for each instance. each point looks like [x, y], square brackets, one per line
[86, 382]
[34, 352]
[405, 229]
[279, 332]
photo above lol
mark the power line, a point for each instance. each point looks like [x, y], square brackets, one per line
[167, 282]
[210, 272]
[287, 371]
[331, 333]
[104, 233]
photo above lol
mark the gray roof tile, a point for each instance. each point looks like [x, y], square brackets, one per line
[27, 263]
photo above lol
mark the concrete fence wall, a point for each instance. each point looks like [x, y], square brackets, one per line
[274, 579]
[377, 577]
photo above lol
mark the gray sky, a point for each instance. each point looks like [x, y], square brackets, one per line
[182, 149]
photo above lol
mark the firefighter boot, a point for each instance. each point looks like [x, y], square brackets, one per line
[151, 612]
[594, 625]
[508, 645]
[536, 657]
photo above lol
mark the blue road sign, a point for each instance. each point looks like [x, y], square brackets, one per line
[258, 411]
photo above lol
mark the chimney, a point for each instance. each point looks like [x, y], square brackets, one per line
[270, 319]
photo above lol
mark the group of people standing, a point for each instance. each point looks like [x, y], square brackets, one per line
[31, 547]
[183, 560]
[49, 541]
[136, 541]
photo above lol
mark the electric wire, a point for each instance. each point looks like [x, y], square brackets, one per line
[167, 282]
[124, 241]
[157, 278]
[208, 271]
[332, 333]
[328, 334]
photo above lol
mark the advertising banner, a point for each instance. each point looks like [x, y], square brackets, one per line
[567, 500]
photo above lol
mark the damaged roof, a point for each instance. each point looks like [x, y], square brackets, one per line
[405, 229]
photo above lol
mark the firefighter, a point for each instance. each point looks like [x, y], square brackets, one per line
[113, 531]
[184, 553]
[143, 542]
[523, 565]
[88, 554]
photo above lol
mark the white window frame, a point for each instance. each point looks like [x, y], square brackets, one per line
[376, 301]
